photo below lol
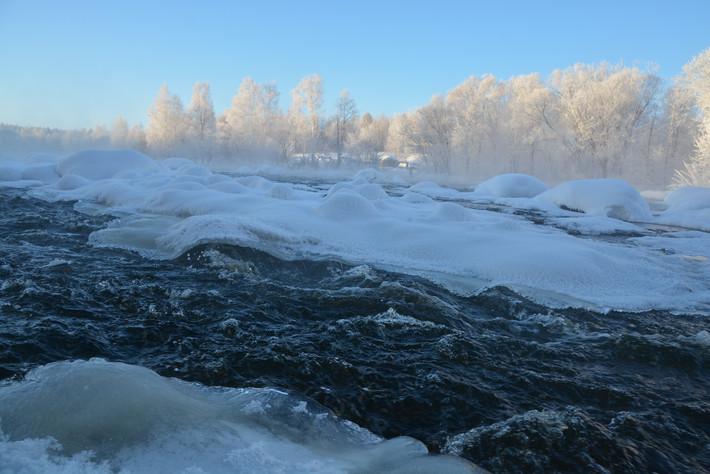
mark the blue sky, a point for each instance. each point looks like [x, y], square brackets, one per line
[74, 64]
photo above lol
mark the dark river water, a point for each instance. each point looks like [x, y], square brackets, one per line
[506, 383]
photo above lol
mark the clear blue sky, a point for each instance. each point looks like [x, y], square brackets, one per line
[74, 64]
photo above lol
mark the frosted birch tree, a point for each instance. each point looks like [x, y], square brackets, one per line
[247, 129]
[243, 129]
[696, 80]
[283, 136]
[119, 133]
[602, 109]
[530, 123]
[166, 128]
[476, 108]
[345, 115]
[202, 122]
[306, 110]
[372, 136]
[429, 133]
[674, 141]
[400, 136]
[136, 138]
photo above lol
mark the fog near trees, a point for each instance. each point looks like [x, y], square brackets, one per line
[586, 121]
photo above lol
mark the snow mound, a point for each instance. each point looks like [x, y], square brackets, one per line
[35, 172]
[40, 172]
[367, 174]
[10, 173]
[71, 181]
[689, 198]
[194, 170]
[451, 212]
[599, 197]
[366, 189]
[512, 186]
[346, 205]
[41, 158]
[688, 207]
[281, 191]
[104, 164]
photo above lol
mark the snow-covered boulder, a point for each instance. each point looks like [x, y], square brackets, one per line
[688, 198]
[688, 206]
[346, 204]
[105, 164]
[599, 197]
[512, 186]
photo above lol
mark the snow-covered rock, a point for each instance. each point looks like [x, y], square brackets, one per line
[687, 207]
[599, 197]
[511, 186]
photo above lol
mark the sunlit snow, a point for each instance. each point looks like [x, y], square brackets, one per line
[423, 229]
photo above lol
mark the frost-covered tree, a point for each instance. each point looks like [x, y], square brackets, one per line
[345, 116]
[696, 80]
[241, 122]
[602, 110]
[428, 133]
[476, 107]
[530, 122]
[372, 136]
[272, 118]
[119, 133]
[202, 123]
[245, 128]
[283, 136]
[309, 95]
[673, 138]
[71, 140]
[401, 128]
[305, 112]
[167, 125]
[136, 138]
[100, 137]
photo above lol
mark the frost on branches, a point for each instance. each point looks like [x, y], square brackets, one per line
[696, 81]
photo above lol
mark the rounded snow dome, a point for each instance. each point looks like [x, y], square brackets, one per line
[346, 204]
[512, 186]
[600, 197]
[105, 164]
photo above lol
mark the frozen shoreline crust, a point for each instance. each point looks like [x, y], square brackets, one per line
[168, 207]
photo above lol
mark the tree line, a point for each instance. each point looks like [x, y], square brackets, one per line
[585, 121]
